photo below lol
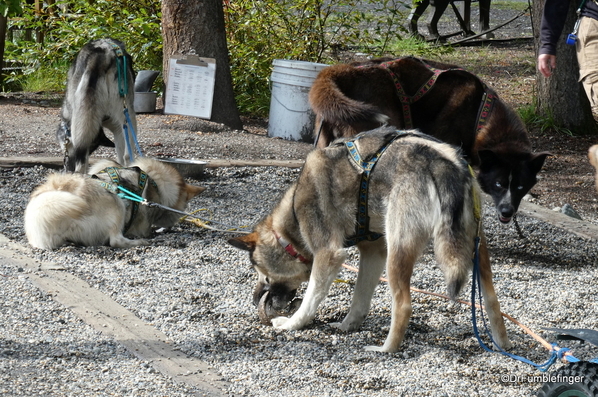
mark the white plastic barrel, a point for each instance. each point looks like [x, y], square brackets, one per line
[290, 115]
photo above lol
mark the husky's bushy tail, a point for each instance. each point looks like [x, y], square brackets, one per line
[52, 211]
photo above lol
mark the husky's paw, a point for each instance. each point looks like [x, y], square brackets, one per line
[344, 327]
[123, 242]
[380, 349]
[279, 322]
[347, 325]
[338, 326]
[505, 344]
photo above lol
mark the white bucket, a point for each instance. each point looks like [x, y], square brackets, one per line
[290, 114]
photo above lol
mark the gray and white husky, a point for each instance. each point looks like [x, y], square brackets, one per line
[93, 101]
[419, 189]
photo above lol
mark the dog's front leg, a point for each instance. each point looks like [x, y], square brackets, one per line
[326, 266]
[120, 241]
[372, 258]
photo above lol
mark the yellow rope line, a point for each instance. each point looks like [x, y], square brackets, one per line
[201, 223]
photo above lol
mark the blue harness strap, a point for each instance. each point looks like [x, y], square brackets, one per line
[123, 90]
[362, 231]
[121, 70]
[476, 290]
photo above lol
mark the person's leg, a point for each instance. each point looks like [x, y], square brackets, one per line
[587, 56]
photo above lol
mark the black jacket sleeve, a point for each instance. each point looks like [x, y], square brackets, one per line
[553, 20]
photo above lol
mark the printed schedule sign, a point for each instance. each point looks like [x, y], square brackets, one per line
[190, 87]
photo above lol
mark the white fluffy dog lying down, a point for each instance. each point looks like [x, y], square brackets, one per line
[84, 209]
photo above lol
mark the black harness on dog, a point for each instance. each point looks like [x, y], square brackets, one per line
[488, 99]
[112, 187]
[362, 230]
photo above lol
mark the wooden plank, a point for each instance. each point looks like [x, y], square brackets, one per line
[580, 228]
[115, 321]
[56, 162]
[14, 162]
[254, 163]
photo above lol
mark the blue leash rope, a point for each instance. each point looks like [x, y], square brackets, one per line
[123, 90]
[126, 130]
[476, 288]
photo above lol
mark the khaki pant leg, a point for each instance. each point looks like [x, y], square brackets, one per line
[587, 56]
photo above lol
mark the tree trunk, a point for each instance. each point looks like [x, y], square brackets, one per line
[562, 96]
[199, 25]
[3, 27]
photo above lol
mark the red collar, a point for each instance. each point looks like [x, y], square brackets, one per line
[288, 247]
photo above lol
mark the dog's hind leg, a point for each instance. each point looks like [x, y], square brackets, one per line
[116, 126]
[117, 240]
[120, 140]
[416, 12]
[497, 324]
[372, 258]
[406, 241]
[327, 264]
[400, 262]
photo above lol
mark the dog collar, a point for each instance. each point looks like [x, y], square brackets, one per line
[488, 100]
[288, 247]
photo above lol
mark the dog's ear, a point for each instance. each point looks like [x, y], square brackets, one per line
[246, 243]
[487, 157]
[193, 191]
[537, 161]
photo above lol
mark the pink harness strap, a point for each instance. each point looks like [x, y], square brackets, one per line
[407, 100]
[484, 111]
[486, 106]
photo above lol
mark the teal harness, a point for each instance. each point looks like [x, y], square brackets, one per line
[123, 91]
[115, 184]
[121, 67]
[362, 230]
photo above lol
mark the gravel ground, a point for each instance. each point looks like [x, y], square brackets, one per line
[196, 289]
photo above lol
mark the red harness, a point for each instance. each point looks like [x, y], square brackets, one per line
[288, 247]
[407, 100]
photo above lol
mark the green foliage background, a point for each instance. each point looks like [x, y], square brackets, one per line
[309, 30]
[137, 24]
[257, 32]
[9, 8]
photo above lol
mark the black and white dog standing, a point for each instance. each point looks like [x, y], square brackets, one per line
[100, 86]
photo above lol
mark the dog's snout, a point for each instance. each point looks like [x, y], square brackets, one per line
[279, 294]
[259, 290]
[505, 213]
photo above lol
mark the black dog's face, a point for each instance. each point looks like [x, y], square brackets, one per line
[508, 178]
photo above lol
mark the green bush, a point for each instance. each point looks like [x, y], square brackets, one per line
[310, 30]
[257, 32]
[136, 23]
